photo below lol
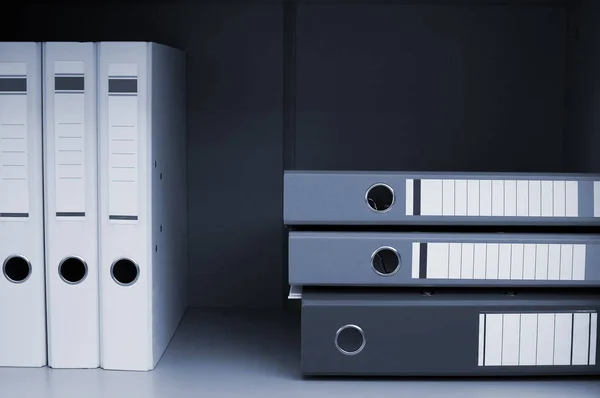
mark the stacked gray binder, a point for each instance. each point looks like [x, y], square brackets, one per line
[445, 273]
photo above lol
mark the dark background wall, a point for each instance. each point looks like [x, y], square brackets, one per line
[326, 85]
[439, 87]
[582, 136]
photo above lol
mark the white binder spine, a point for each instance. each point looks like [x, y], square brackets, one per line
[70, 197]
[22, 291]
[141, 136]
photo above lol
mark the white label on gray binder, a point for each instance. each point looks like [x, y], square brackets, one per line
[534, 194]
[123, 136]
[537, 339]
[473, 197]
[409, 197]
[431, 197]
[516, 261]
[416, 254]
[510, 198]
[461, 196]
[505, 261]
[596, 198]
[14, 164]
[69, 136]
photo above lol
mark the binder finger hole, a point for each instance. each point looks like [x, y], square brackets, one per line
[125, 271]
[380, 197]
[386, 261]
[72, 270]
[350, 340]
[16, 269]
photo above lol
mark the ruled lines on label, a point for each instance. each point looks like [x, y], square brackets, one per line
[123, 125]
[538, 339]
[504, 261]
[494, 198]
[14, 163]
[69, 138]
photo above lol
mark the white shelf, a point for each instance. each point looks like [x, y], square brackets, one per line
[227, 353]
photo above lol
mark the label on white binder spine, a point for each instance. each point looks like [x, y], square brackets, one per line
[506, 261]
[123, 141]
[495, 198]
[14, 164]
[69, 138]
[537, 339]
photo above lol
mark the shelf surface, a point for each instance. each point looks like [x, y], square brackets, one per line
[229, 353]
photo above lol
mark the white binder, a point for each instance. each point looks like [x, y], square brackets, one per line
[22, 291]
[143, 264]
[70, 199]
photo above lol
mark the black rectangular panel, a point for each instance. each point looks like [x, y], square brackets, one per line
[69, 83]
[122, 86]
[70, 214]
[119, 217]
[14, 215]
[13, 84]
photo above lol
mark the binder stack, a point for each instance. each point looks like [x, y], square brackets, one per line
[422, 274]
[92, 203]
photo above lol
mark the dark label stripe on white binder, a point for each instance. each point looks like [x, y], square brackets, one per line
[70, 214]
[122, 85]
[495, 198]
[537, 338]
[14, 215]
[130, 218]
[504, 261]
[71, 83]
[14, 161]
[13, 84]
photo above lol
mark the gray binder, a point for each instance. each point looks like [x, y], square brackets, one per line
[397, 198]
[443, 259]
[448, 334]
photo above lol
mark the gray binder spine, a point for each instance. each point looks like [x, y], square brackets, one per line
[443, 259]
[464, 334]
[371, 198]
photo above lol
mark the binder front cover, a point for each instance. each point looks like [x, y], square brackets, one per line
[449, 334]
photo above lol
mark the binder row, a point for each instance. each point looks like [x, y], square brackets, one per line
[377, 300]
[92, 203]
